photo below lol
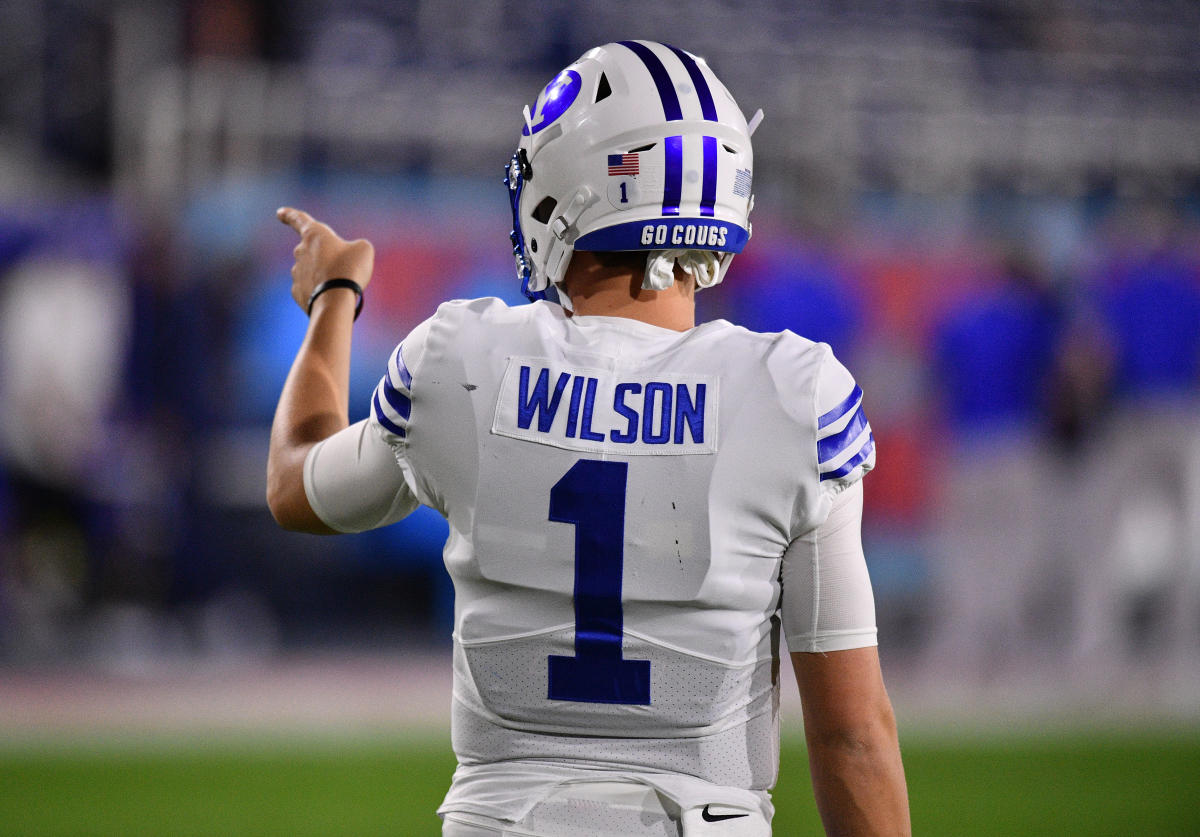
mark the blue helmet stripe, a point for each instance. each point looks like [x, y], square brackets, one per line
[673, 176]
[662, 79]
[707, 106]
[708, 194]
[672, 111]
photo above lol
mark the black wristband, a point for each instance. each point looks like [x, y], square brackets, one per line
[330, 284]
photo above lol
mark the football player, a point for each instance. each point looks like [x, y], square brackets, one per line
[638, 506]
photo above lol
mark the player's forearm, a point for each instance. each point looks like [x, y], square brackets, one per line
[314, 405]
[858, 780]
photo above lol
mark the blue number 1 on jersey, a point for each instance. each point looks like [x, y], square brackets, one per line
[592, 497]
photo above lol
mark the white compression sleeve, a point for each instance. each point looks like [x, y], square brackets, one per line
[354, 483]
[828, 604]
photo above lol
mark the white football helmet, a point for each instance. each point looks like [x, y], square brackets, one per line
[635, 146]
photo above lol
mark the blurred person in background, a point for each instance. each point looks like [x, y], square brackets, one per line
[993, 357]
[1138, 586]
[64, 327]
[638, 506]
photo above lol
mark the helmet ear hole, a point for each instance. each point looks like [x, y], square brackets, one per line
[533, 245]
[603, 89]
[541, 213]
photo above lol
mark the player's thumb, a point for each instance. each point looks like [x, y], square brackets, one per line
[297, 219]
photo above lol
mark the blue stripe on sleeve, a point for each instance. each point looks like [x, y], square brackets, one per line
[381, 417]
[405, 376]
[398, 400]
[841, 409]
[833, 446]
[851, 463]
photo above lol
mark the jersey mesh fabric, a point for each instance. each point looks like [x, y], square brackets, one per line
[739, 749]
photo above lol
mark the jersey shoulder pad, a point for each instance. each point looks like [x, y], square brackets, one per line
[456, 312]
[793, 363]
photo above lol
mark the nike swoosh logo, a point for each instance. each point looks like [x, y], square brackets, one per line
[707, 817]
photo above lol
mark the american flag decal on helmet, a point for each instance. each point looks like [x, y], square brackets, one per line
[622, 165]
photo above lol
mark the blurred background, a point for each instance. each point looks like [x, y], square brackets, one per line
[990, 210]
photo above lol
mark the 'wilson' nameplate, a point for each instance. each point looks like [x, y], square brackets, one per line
[596, 410]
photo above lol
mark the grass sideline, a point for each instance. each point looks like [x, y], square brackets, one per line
[1096, 784]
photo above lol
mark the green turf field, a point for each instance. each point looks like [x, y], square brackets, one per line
[1118, 785]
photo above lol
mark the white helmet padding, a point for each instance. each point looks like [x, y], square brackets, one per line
[635, 146]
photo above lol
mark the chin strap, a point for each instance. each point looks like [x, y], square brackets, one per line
[705, 266]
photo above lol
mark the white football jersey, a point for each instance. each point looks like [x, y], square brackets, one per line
[621, 500]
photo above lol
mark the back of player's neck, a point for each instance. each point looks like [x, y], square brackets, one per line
[672, 309]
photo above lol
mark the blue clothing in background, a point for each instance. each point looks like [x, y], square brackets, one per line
[1152, 307]
[993, 355]
[804, 291]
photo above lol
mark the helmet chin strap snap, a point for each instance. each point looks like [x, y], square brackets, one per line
[581, 200]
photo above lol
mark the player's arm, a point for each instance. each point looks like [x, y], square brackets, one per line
[853, 747]
[314, 404]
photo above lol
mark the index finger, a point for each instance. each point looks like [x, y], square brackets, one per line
[297, 219]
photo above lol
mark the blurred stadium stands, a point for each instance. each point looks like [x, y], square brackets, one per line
[990, 210]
